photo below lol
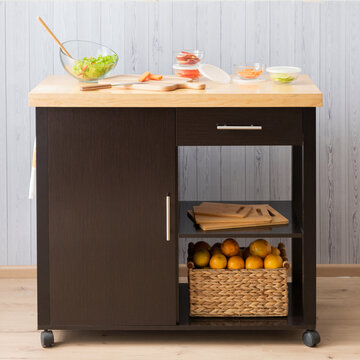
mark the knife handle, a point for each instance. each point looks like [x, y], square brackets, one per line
[95, 87]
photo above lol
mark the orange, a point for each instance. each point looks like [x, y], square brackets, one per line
[201, 258]
[230, 247]
[216, 251]
[260, 248]
[202, 245]
[236, 262]
[275, 251]
[273, 262]
[254, 262]
[240, 253]
[246, 253]
[218, 261]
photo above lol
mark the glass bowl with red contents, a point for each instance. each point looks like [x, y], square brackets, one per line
[186, 71]
[189, 57]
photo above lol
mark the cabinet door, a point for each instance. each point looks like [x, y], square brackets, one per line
[109, 172]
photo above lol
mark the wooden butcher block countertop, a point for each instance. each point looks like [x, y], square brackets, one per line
[64, 91]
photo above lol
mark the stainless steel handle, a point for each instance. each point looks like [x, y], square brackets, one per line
[238, 127]
[167, 217]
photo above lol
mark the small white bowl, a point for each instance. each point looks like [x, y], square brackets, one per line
[283, 74]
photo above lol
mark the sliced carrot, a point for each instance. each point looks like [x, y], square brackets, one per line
[145, 76]
[155, 77]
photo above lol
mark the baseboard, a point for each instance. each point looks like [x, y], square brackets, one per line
[322, 270]
[18, 272]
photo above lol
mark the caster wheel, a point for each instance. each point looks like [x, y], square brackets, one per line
[47, 338]
[311, 338]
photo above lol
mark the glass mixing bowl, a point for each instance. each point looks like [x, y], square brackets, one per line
[90, 61]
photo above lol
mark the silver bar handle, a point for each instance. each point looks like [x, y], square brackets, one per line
[238, 127]
[167, 217]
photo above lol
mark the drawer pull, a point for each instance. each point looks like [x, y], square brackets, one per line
[168, 218]
[238, 127]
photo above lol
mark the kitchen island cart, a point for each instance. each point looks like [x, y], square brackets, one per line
[108, 217]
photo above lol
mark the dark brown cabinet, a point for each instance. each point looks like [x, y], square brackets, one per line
[109, 220]
[104, 177]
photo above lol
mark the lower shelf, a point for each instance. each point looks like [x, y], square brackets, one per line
[293, 320]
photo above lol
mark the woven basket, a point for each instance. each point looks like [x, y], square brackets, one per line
[238, 293]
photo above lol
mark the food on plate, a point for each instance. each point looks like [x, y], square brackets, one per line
[260, 248]
[235, 262]
[273, 261]
[94, 67]
[218, 261]
[254, 262]
[201, 258]
[188, 58]
[230, 247]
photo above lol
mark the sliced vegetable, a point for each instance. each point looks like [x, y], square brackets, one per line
[144, 76]
[94, 68]
[187, 58]
[282, 78]
[155, 77]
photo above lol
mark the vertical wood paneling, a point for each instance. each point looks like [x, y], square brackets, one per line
[353, 115]
[112, 35]
[3, 162]
[333, 129]
[65, 28]
[136, 37]
[88, 20]
[257, 50]
[18, 132]
[321, 37]
[160, 37]
[41, 66]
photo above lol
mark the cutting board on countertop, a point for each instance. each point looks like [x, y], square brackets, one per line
[168, 83]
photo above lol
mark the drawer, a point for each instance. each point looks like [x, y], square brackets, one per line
[229, 126]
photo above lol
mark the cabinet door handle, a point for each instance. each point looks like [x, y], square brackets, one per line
[238, 127]
[167, 217]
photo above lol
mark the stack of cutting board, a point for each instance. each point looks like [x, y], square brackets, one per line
[218, 216]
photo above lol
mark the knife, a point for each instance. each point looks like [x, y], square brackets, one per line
[92, 87]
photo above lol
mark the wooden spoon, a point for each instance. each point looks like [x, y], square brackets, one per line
[53, 36]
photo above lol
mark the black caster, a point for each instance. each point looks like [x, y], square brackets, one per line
[47, 338]
[311, 338]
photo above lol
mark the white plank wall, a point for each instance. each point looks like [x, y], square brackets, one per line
[321, 37]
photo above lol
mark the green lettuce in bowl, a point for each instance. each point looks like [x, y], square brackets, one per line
[89, 61]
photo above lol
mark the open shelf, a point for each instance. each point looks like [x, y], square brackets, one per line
[293, 320]
[187, 228]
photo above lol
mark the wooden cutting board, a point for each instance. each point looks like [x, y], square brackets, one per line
[257, 214]
[222, 210]
[276, 219]
[168, 83]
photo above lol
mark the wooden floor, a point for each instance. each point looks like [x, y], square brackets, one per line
[338, 324]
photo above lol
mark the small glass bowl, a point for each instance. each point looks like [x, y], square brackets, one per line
[85, 71]
[283, 74]
[186, 72]
[189, 57]
[249, 72]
